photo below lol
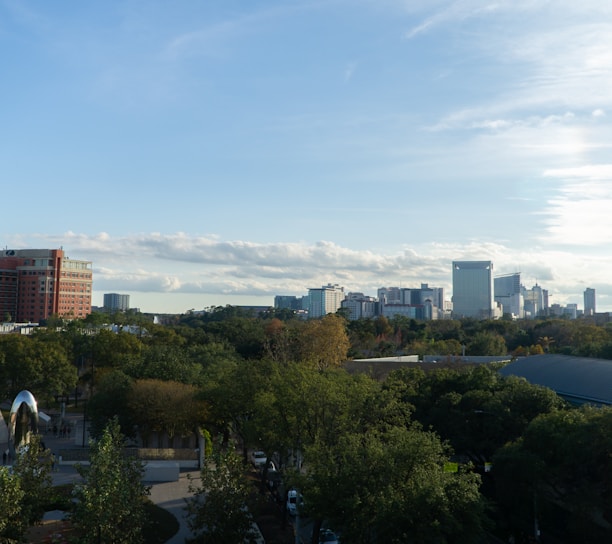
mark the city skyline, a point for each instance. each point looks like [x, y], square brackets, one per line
[226, 152]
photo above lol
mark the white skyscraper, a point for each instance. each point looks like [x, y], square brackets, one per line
[326, 300]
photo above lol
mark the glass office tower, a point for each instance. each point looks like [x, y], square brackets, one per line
[589, 301]
[473, 289]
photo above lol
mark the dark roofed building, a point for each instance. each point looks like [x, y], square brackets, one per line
[579, 380]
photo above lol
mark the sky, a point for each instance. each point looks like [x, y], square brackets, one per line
[227, 151]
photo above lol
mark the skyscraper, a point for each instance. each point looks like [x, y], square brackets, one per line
[114, 302]
[507, 291]
[326, 300]
[535, 301]
[473, 289]
[589, 301]
[360, 306]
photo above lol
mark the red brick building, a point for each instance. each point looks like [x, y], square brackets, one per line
[38, 283]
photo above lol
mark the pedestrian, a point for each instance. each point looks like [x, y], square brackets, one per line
[4, 457]
[68, 430]
[55, 430]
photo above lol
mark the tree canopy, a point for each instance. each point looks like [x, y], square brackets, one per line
[110, 500]
[219, 508]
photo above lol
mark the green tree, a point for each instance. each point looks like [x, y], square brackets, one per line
[166, 407]
[165, 362]
[245, 334]
[110, 500]
[33, 468]
[562, 459]
[487, 343]
[218, 510]
[302, 404]
[12, 524]
[20, 365]
[390, 486]
[114, 350]
[362, 336]
[57, 374]
[473, 407]
[111, 399]
[382, 327]
[39, 364]
[229, 389]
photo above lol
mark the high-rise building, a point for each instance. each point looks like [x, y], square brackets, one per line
[589, 301]
[288, 302]
[535, 301]
[391, 295]
[473, 289]
[38, 283]
[360, 306]
[507, 292]
[571, 310]
[114, 302]
[435, 295]
[326, 300]
[417, 303]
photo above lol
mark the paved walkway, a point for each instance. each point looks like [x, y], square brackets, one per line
[171, 496]
[168, 495]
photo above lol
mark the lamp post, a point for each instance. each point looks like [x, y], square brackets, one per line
[297, 518]
[84, 420]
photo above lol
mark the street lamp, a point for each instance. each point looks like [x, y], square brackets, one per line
[84, 420]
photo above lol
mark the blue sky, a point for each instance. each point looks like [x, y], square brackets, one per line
[223, 152]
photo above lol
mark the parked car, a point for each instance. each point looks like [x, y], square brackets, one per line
[258, 458]
[294, 501]
[273, 479]
[328, 537]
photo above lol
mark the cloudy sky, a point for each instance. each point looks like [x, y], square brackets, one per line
[223, 152]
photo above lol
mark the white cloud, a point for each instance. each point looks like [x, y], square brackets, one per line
[579, 214]
[154, 264]
[585, 172]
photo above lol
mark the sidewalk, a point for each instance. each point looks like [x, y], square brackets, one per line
[168, 495]
[171, 497]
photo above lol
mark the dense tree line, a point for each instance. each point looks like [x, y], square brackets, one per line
[376, 452]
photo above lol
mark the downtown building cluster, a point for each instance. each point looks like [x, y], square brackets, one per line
[36, 284]
[477, 293]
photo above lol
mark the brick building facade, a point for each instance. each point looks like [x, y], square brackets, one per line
[38, 283]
